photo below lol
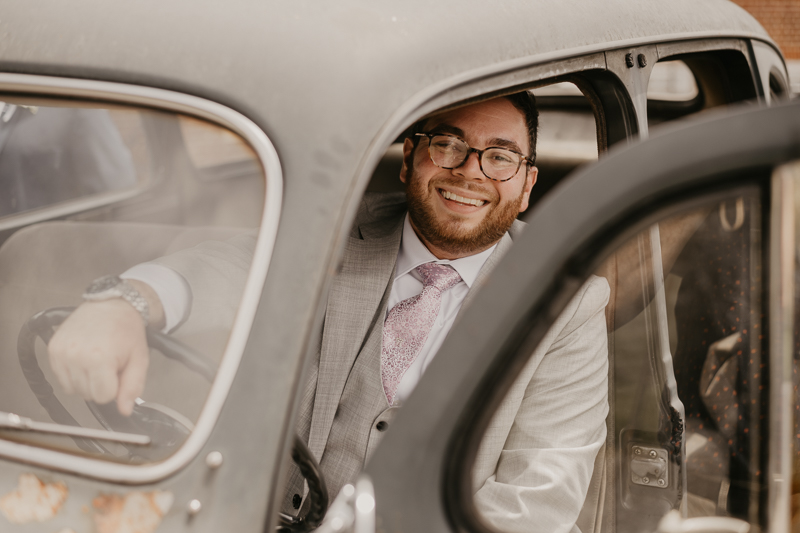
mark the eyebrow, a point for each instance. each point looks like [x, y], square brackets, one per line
[458, 132]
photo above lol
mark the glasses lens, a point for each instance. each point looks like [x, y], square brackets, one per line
[500, 164]
[447, 151]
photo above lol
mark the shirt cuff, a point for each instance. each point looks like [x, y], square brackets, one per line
[171, 288]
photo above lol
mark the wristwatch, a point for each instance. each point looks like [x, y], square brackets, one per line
[109, 287]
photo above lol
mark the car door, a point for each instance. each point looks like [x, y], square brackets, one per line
[99, 178]
[709, 431]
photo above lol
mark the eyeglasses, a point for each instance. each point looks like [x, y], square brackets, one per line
[498, 164]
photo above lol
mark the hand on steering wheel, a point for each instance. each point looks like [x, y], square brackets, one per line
[165, 428]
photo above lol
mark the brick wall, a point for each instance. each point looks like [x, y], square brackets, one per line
[781, 18]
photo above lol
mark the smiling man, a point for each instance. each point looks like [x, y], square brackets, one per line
[462, 205]
[411, 263]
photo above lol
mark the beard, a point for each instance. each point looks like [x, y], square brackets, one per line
[451, 234]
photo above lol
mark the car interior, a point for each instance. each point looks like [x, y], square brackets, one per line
[193, 181]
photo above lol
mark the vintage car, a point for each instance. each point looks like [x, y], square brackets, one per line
[131, 131]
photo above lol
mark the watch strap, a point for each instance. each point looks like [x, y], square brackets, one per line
[109, 287]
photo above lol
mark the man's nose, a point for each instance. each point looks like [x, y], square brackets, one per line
[471, 167]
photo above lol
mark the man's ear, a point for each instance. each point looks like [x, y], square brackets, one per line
[408, 159]
[530, 181]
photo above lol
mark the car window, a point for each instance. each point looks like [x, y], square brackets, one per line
[682, 84]
[649, 393]
[567, 134]
[91, 189]
[56, 154]
[713, 309]
[672, 81]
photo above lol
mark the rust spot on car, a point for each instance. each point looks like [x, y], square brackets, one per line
[136, 512]
[33, 500]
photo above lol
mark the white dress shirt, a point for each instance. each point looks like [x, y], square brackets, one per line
[170, 287]
[408, 283]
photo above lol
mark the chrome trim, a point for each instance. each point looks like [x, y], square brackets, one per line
[662, 340]
[365, 505]
[353, 510]
[23, 423]
[244, 127]
[781, 329]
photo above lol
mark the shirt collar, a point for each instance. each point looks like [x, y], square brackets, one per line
[414, 253]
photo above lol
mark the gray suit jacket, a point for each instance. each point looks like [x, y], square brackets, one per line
[536, 458]
[358, 299]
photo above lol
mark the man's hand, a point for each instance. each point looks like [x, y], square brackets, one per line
[101, 352]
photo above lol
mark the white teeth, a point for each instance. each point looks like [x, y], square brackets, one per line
[461, 199]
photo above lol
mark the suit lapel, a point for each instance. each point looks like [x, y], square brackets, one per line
[502, 247]
[353, 308]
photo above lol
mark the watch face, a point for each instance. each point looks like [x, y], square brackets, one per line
[103, 284]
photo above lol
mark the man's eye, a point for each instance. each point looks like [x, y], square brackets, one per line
[445, 144]
[501, 158]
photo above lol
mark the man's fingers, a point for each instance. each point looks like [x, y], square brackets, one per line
[103, 383]
[62, 374]
[132, 378]
[100, 352]
[80, 382]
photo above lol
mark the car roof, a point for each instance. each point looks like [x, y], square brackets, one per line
[366, 58]
[333, 83]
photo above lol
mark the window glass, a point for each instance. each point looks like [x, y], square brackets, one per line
[712, 345]
[567, 134]
[672, 81]
[161, 199]
[649, 392]
[686, 84]
[56, 154]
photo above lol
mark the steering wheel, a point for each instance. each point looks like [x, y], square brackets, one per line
[166, 428]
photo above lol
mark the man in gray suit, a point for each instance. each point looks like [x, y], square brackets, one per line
[387, 317]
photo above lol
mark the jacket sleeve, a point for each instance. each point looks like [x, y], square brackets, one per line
[536, 459]
[216, 272]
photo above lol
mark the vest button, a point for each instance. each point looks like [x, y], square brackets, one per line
[296, 501]
[381, 426]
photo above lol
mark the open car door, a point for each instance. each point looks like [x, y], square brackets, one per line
[693, 234]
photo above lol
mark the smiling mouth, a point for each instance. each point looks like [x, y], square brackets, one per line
[460, 199]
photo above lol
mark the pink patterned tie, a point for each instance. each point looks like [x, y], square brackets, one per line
[408, 323]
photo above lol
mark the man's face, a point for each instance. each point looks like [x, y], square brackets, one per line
[457, 227]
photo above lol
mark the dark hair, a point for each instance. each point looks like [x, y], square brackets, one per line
[524, 101]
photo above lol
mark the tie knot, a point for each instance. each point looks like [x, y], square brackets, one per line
[443, 277]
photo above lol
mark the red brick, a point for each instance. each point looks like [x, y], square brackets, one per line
[781, 18]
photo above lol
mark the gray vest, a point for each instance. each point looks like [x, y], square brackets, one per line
[362, 417]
